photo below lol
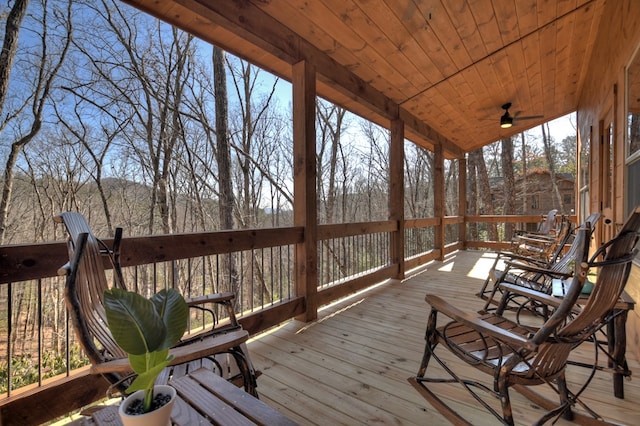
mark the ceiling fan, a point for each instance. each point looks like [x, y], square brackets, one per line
[506, 120]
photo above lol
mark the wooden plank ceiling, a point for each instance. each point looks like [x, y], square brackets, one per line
[445, 66]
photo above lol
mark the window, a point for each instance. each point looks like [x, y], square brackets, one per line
[632, 158]
[583, 167]
[535, 202]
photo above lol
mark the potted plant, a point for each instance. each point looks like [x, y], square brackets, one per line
[145, 329]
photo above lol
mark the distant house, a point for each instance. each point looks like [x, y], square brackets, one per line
[534, 195]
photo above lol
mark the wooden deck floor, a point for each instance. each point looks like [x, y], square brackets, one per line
[351, 366]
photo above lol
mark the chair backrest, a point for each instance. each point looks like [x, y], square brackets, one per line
[568, 259]
[549, 224]
[572, 323]
[86, 282]
[557, 245]
[613, 273]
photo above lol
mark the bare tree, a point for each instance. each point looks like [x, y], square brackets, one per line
[472, 195]
[551, 163]
[54, 30]
[418, 166]
[330, 125]
[484, 190]
[509, 184]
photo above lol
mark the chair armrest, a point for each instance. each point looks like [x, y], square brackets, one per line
[64, 270]
[471, 320]
[538, 296]
[516, 256]
[537, 240]
[210, 298]
[537, 269]
[193, 351]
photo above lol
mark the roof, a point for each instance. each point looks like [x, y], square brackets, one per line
[444, 67]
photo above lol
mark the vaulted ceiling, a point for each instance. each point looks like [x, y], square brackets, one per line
[444, 66]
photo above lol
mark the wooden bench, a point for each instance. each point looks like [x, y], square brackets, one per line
[204, 398]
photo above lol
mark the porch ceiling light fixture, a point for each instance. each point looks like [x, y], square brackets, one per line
[506, 120]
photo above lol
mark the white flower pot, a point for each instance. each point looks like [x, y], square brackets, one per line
[158, 417]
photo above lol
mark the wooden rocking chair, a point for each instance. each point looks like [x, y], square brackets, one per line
[86, 282]
[532, 273]
[546, 227]
[519, 356]
[540, 246]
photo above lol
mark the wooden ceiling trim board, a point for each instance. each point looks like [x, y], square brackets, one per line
[565, 6]
[273, 36]
[500, 63]
[477, 110]
[430, 134]
[507, 19]
[475, 79]
[291, 18]
[419, 26]
[527, 13]
[597, 9]
[389, 39]
[458, 108]
[566, 92]
[428, 106]
[376, 69]
[462, 19]
[547, 12]
[548, 64]
[485, 19]
[517, 66]
[447, 34]
[531, 57]
[423, 71]
[491, 81]
[317, 14]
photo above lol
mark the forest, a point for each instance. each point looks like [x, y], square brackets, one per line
[136, 124]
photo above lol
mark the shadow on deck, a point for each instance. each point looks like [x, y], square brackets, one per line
[351, 365]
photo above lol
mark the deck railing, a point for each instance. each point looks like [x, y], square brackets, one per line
[36, 341]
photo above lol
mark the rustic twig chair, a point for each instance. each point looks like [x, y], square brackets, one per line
[543, 247]
[545, 228]
[518, 356]
[86, 282]
[532, 273]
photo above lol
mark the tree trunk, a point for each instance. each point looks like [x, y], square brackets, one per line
[223, 158]
[546, 141]
[472, 195]
[509, 184]
[485, 192]
[7, 56]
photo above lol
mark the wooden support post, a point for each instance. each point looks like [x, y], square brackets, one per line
[439, 200]
[462, 200]
[396, 193]
[304, 185]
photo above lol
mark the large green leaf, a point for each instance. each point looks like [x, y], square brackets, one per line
[146, 329]
[174, 312]
[134, 323]
[154, 364]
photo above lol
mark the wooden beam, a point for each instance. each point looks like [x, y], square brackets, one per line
[462, 199]
[439, 199]
[396, 193]
[304, 185]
